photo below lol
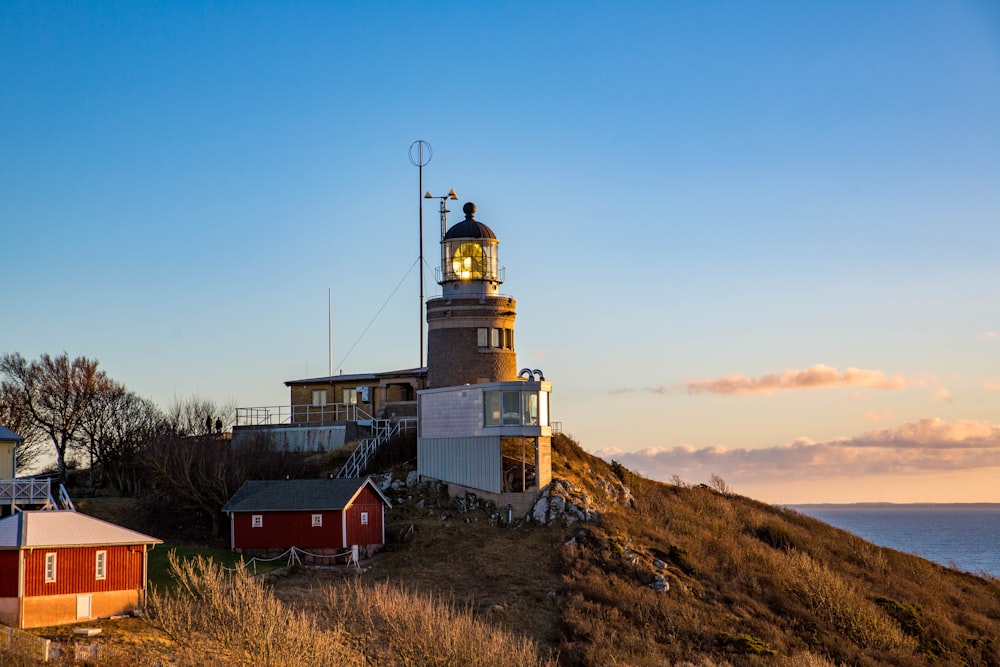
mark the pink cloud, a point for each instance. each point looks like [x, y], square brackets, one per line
[876, 416]
[941, 395]
[991, 385]
[929, 445]
[989, 334]
[814, 377]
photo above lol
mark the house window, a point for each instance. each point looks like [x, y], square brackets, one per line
[364, 518]
[317, 520]
[491, 408]
[100, 565]
[257, 520]
[495, 340]
[50, 568]
[319, 396]
[350, 396]
[483, 337]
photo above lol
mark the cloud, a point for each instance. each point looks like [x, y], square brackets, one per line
[814, 377]
[925, 446]
[941, 395]
[539, 353]
[876, 416]
[991, 385]
[989, 334]
[659, 390]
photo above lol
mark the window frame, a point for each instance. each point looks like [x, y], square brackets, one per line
[101, 565]
[317, 520]
[319, 397]
[51, 563]
[256, 520]
[364, 518]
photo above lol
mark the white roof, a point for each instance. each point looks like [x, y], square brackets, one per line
[64, 528]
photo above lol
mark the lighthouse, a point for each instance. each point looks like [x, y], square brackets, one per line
[470, 327]
[483, 427]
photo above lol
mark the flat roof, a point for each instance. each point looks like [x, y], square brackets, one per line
[354, 377]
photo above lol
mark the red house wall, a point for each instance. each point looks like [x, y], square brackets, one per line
[281, 530]
[8, 574]
[366, 501]
[76, 570]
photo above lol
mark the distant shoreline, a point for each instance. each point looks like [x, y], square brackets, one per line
[873, 505]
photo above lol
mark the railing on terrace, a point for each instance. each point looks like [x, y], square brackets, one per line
[382, 431]
[26, 492]
[274, 415]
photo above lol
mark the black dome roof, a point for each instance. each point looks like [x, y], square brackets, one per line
[469, 228]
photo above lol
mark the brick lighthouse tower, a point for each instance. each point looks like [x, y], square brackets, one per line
[470, 327]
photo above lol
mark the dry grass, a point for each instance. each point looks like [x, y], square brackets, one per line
[749, 584]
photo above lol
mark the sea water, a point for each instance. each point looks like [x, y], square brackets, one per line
[963, 536]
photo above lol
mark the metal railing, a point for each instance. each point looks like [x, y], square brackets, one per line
[382, 431]
[274, 415]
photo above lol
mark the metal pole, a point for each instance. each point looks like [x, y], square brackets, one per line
[419, 158]
[420, 203]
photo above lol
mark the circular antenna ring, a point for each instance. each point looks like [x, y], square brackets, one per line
[420, 153]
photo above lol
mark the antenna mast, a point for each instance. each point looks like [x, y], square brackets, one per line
[420, 154]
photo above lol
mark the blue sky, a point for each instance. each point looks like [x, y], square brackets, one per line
[686, 194]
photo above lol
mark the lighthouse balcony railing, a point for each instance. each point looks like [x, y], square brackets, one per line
[443, 276]
[275, 415]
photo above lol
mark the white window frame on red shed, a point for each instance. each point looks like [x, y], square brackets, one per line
[101, 565]
[317, 520]
[50, 568]
[256, 520]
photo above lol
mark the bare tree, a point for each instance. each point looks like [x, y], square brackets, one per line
[197, 416]
[14, 416]
[56, 392]
[118, 425]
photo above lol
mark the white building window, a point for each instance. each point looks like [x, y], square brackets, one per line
[350, 397]
[364, 518]
[483, 337]
[101, 565]
[50, 568]
[319, 396]
[257, 520]
[317, 520]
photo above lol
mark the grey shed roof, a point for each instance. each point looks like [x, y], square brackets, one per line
[64, 528]
[6, 434]
[291, 495]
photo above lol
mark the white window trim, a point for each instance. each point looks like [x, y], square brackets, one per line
[101, 565]
[317, 520]
[50, 568]
[256, 520]
[364, 518]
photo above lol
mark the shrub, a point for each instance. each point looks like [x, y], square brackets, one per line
[835, 601]
[232, 619]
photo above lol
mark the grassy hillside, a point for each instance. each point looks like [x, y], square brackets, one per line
[659, 575]
[746, 583]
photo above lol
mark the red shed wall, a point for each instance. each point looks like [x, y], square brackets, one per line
[8, 574]
[75, 570]
[287, 529]
[366, 501]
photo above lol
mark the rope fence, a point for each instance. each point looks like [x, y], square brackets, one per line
[293, 557]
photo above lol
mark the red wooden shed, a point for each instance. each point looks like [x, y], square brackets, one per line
[59, 566]
[321, 515]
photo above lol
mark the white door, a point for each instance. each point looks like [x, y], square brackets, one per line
[82, 606]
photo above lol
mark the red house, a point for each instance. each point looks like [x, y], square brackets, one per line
[59, 566]
[320, 515]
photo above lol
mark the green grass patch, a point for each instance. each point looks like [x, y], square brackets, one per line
[159, 567]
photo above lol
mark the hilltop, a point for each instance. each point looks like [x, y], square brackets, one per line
[615, 569]
[671, 574]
